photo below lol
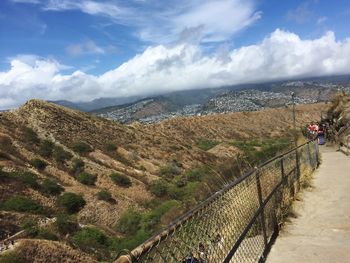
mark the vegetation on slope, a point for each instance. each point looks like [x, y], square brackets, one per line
[132, 180]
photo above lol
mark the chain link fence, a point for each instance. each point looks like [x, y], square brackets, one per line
[238, 223]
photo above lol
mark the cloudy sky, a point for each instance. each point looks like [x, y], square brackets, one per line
[85, 49]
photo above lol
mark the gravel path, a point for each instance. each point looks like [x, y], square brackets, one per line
[321, 232]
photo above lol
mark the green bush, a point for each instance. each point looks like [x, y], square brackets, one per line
[27, 178]
[30, 136]
[38, 164]
[89, 237]
[259, 151]
[65, 225]
[60, 155]
[46, 148]
[159, 188]
[198, 174]
[86, 178]
[22, 204]
[104, 195]
[73, 203]
[151, 220]
[28, 223]
[78, 166]
[129, 222]
[50, 187]
[169, 171]
[121, 179]
[34, 231]
[206, 145]
[110, 147]
[12, 257]
[46, 234]
[82, 147]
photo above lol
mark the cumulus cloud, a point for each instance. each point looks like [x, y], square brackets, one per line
[281, 55]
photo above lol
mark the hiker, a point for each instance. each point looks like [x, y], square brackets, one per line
[312, 130]
[202, 252]
[192, 258]
[320, 136]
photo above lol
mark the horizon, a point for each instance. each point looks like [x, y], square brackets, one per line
[85, 50]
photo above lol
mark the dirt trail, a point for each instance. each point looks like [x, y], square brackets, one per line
[321, 232]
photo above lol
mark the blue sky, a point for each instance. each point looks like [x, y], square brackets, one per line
[120, 48]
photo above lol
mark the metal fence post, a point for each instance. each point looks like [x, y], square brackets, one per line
[316, 152]
[282, 171]
[262, 215]
[297, 160]
[309, 154]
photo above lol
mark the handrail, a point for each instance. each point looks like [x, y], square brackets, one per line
[172, 227]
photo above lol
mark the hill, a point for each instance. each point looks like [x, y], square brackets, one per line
[86, 187]
[141, 109]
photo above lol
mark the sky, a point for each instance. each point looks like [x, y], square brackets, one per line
[80, 50]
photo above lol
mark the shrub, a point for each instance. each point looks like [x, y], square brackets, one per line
[65, 225]
[12, 257]
[30, 136]
[86, 178]
[121, 179]
[50, 187]
[60, 155]
[159, 188]
[206, 145]
[78, 166]
[34, 231]
[104, 195]
[73, 203]
[6, 144]
[81, 147]
[46, 234]
[151, 219]
[27, 178]
[198, 174]
[110, 147]
[46, 148]
[129, 222]
[28, 223]
[169, 171]
[91, 238]
[22, 204]
[38, 164]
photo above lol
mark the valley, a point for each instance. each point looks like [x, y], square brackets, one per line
[108, 186]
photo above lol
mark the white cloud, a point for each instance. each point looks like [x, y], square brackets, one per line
[108, 9]
[220, 19]
[84, 48]
[160, 68]
[159, 21]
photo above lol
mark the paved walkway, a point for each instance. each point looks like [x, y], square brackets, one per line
[321, 232]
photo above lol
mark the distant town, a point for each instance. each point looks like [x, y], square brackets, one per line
[153, 110]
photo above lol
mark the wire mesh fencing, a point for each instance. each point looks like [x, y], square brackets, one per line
[238, 223]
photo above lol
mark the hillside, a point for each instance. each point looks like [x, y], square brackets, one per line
[251, 97]
[120, 173]
[141, 109]
[338, 116]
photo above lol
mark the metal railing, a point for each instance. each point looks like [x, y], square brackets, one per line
[240, 222]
